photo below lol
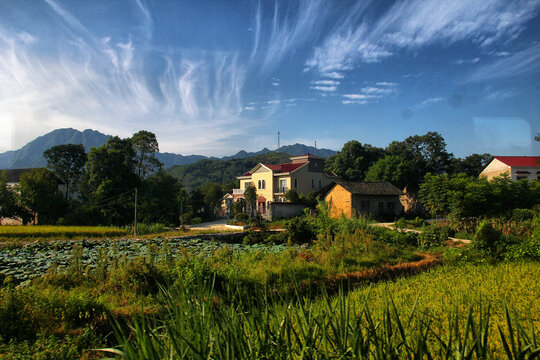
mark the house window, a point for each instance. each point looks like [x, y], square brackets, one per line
[390, 205]
[521, 177]
[320, 184]
[263, 184]
[312, 184]
[259, 185]
[246, 185]
[283, 185]
[295, 183]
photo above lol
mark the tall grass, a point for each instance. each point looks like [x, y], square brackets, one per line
[466, 312]
[201, 326]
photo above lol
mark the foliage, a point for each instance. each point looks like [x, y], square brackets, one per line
[471, 165]
[434, 194]
[9, 199]
[292, 196]
[353, 161]
[393, 169]
[250, 196]
[39, 194]
[299, 230]
[432, 236]
[157, 201]
[109, 180]
[146, 228]
[462, 197]
[427, 154]
[220, 171]
[486, 238]
[67, 162]
[146, 147]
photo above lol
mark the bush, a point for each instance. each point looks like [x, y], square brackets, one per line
[486, 238]
[196, 220]
[241, 216]
[432, 236]
[522, 214]
[401, 223]
[299, 230]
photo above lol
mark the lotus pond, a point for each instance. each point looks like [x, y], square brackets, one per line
[32, 260]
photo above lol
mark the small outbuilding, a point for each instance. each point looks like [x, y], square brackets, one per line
[376, 199]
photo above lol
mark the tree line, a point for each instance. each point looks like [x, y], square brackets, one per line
[99, 188]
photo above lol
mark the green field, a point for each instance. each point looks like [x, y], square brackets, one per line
[62, 232]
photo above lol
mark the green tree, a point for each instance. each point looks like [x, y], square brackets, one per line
[427, 153]
[67, 163]
[434, 194]
[292, 196]
[109, 180]
[471, 165]
[354, 160]
[157, 203]
[212, 193]
[393, 169]
[39, 193]
[250, 195]
[8, 198]
[146, 147]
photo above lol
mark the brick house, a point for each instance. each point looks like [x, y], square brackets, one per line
[517, 167]
[377, 199]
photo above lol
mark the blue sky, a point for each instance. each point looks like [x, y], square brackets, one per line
[214, 77]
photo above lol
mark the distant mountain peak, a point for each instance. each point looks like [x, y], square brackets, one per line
[31, 154]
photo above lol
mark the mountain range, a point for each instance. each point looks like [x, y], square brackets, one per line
[31, 154]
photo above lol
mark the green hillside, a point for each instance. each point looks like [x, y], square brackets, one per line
[219, 171]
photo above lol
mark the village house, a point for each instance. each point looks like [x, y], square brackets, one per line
[376, 199]
[517, 167]
[304, 174]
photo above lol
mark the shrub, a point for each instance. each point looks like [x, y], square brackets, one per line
[401, 223]
[432, 236]
[522, 214]
[241, 216]
[299, 230]
[196, 220]
[486, 238]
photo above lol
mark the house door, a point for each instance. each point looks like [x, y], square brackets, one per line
[262, 205]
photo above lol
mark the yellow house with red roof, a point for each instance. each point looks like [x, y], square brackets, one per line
[518, 167]
[303, 174]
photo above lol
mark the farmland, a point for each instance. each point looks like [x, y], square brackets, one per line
[324, 288]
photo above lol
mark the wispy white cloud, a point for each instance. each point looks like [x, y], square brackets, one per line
[371, 93]
[518, 64]
[325, 82]
[289, 29]
[467, 61]
[409, 25]
[102, 83]
[324, 88]
[429, 102]
[500, 95]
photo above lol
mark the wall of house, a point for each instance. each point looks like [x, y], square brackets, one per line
[497, 168]
[304, 178]
[374, 202]
[339, 202]
[283, 210]
[263, 173]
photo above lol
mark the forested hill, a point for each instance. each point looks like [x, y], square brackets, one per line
[220, 171]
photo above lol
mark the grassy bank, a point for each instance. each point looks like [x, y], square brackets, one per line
[58, 232]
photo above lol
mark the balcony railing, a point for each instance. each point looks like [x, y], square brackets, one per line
[238, 191]
[281, 190]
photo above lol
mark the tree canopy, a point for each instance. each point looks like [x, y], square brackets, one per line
[67, 162]
[354, 160]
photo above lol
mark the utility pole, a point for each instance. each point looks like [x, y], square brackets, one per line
[278, 146]
[315, 147]
[135, 216]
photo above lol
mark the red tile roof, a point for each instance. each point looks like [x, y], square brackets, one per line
[288, 167]
[519, 160]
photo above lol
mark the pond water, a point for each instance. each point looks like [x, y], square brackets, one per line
[33, 260]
